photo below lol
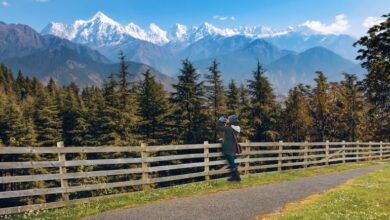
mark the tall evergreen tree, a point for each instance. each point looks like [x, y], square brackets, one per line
[215, 96]
[109, 131]
[352, 101]
[296, 118]
[127, 103]
[244, 113]
[94, 103]
[321, 107]
[153, 110]
[264, 110]
[73, 117]
[375, 55]
[189, 101]
[232, 99]
[47, 120]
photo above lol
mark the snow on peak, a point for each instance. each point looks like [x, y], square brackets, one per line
[100, 30]
[178, 33]
[157, 35]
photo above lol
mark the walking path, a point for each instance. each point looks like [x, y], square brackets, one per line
[243, 203]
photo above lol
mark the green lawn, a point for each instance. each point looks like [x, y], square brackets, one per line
[365, 197]
[78, 211]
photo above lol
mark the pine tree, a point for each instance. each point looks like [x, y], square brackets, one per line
[264, 110]
[93, 100]
[375, 55]
[244, 113]
[13, 125]
[109, 131]
[214, 91]
[47, 120]
[352, 100]
[153, 110]
[127, 103]
[232, 99]
[296, 118]
[189, 112]
[73, 117]
[321, 106]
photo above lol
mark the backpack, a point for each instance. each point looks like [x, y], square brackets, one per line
[238, 146]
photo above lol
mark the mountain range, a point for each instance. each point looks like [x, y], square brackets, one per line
[48, 56]
[86, 51]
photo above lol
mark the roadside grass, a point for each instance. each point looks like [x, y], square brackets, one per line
[364, 197]
[98, 205]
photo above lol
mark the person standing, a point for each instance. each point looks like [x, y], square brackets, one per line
[230, 128]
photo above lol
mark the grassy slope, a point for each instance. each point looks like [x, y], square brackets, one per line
[95, 206]
[365, 197]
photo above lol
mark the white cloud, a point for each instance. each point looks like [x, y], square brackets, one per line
[5, 3]
[224, 18]
[371, 21]
[340, 25]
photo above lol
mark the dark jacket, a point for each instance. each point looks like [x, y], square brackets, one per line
[228, 143]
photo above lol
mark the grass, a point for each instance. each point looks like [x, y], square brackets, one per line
[95, 206]
[365, 197]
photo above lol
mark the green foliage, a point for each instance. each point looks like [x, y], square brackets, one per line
[232, 99]
[375, 56]
[264, 109]
[215, 96]
[153, 110]
[189, 103]
[296, 117]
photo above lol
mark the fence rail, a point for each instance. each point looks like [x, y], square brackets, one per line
[143, 167]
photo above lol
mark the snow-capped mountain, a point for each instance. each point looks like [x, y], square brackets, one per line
[236, 49]
[101, 30]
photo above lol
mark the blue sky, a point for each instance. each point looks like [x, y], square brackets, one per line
[273, 13]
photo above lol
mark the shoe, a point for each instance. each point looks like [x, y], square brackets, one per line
[236, 175]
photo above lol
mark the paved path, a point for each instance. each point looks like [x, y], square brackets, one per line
[243, 203]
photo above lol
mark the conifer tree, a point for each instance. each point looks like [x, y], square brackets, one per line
[126, 103]
[94, 101]
[232, 99]
[244, 113]
[73, 117]
[352, 101]
[153, 110]
[47, 120]
[296, 118]
[109, 131]
[214, 91]
[189, 112]
[264, 110]
[321, 106]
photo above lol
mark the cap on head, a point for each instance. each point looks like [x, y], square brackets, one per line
[233, 119]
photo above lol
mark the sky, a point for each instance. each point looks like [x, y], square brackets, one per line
[329, 16]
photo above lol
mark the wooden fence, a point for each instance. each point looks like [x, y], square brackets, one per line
[143, 167]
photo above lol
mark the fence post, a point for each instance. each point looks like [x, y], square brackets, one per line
[280, 155]
[370, 151]
[247, 151]
[357, 151]
[145, 167]
[344, 151]
[62, 159]
[380, 150]
[206, 160]
[306, 153]
[327, 152]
